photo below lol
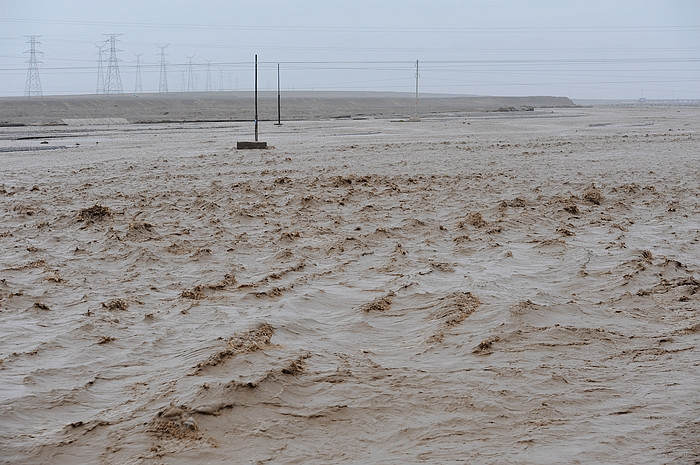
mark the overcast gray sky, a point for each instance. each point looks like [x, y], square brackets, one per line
[579, 49]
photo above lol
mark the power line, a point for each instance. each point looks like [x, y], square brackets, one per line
[596, 67]
[419, 50]
[378, 29]
[545, 66]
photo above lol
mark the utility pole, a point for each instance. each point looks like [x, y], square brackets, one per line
[137, 87]
[256, 98]
[279, 98]
[33, 84]
[257, 144]
[163, 84]
[190, 75]
[100, 70]
[416, 117]
[114, 81]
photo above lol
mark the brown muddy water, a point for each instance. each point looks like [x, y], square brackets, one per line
[484, 289]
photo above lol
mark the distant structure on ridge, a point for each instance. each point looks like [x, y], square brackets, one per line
[113, 83]
[208, 87]
[163, 84]
[100, 70]
[190, 75]
[138, 87]
[33, 85]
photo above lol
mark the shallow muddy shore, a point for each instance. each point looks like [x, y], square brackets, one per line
[487, 288]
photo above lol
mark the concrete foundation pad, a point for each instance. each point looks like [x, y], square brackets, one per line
[251, 145]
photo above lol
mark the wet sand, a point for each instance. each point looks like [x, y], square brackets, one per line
[493, 288]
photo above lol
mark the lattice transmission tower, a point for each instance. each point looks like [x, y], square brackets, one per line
[113, 83]
[163, 85]
[190, 75]
[33, 84]
[137, 87]
[208, 86]
[100, 70]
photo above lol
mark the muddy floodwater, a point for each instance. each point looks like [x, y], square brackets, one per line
[518, 287]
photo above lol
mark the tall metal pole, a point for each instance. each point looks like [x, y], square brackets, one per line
[256, 98]
[416, 89]
[279, 98]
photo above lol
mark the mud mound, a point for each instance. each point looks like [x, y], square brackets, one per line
[141, 231]
[474, 219]
[380, 304]
[250, 341]
[593, 195]
[116, 304]
[94, 214]
[454, 308]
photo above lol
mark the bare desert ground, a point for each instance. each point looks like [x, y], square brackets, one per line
[516, 287]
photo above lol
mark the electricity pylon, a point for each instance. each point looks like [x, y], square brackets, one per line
[33, 84]
[163, 85]
[113, 84]
[137, 87]
[100, 70]
[190, 75]
[208, 87]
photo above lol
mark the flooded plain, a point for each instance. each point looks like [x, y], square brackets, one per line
[488, 288]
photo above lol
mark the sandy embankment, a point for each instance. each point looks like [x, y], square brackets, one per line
[501, 288]
[239, 106]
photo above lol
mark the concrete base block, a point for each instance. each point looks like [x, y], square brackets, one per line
[251, 145]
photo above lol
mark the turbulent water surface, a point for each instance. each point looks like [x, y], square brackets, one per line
[489, 289]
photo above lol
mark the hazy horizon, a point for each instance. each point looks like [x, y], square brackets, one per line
[593, 50]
